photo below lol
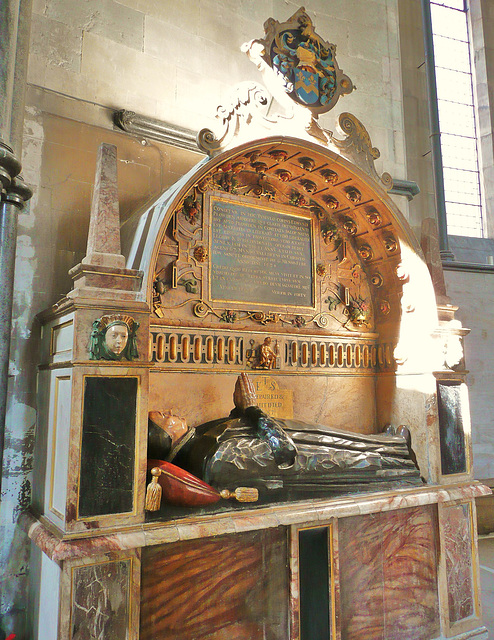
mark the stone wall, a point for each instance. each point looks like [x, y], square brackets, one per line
[475, 292]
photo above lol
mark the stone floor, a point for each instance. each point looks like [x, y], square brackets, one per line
[486, 561]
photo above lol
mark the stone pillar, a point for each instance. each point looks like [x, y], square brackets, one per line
[14, 42]
[13, 195]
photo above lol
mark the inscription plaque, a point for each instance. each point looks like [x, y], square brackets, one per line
[260, 255]
[278, 403]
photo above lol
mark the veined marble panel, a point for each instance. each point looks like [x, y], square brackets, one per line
[388, 572]
[228, 587]
[100, 605]
[457, 541]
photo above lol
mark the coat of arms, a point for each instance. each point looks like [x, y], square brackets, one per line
[305, 62]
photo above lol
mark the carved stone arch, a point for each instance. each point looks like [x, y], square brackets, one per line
[350, 208]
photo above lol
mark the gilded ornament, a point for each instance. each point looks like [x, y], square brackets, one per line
[317, 211]
[190, 209]
[350, 226]
[353, 194]
[308, 185]
[330, 234]
[278, 155]
[226, 178]
[373, 216]
[307, 164]
[160, 286]
[283, 175]
[365, 252]
[253, 155]
[201, 253]
[321, 270]
[359, 311]
[329, 176]
[331, 201]
[377, 280]
[298, 200]
[321, 320]
[205, 185]
[384, 307]
[260, 167]
[228, 316]
[265, 318]
[189, 284]
[201, 310]
[390, 244]
[299, 322]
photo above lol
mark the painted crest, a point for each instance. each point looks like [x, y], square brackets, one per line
[305, 62]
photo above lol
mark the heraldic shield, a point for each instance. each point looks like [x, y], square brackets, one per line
[305, 62]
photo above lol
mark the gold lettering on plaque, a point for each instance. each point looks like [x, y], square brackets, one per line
[276, 402]
[260, 255]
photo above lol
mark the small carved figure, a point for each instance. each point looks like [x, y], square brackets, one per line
[113, 337]
[267, 357]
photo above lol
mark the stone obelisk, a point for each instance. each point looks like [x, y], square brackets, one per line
[104, 265]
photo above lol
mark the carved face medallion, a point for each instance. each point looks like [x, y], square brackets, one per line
[116, 338]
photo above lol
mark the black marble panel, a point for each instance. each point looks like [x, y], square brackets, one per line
[451, 431]
[261, 256]
[101, 601]
[314, 575]
[108, 446]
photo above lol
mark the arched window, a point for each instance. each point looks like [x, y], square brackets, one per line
[457, 124]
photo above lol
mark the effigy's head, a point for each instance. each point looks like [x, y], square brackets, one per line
[245, 393]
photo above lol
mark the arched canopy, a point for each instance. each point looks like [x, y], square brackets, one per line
[351, 209]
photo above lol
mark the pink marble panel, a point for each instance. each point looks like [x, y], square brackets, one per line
[388, 575]
[457, 541]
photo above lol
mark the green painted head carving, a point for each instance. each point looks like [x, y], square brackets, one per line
[113, 337]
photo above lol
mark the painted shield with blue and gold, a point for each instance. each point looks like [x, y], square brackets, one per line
[306, 86]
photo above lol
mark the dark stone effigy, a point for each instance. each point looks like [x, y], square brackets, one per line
[291, 459]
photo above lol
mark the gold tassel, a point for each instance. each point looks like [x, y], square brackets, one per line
[153, 492]
[242, 494]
